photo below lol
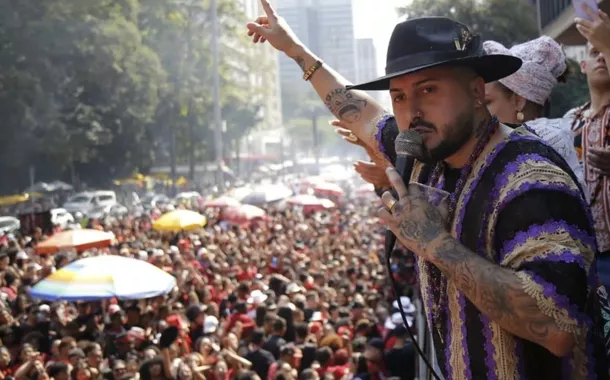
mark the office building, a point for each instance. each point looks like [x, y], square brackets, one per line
[327, 28]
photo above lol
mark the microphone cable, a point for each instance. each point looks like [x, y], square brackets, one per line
[403, 315]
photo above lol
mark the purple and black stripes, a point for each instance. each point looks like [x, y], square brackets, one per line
[561, 301]
[379, 135]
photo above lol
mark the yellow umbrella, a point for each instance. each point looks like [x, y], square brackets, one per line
[179, 220]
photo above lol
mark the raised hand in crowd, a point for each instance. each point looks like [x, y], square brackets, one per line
[596, 30]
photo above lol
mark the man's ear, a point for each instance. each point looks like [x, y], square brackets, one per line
[583, 67]
[477, 89]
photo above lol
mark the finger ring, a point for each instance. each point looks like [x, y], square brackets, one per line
[391, 204]
[352, 137]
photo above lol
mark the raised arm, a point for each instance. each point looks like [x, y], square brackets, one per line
[359, 111]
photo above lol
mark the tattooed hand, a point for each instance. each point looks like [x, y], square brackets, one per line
[412, 218]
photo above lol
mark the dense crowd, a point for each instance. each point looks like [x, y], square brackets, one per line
[287, 297]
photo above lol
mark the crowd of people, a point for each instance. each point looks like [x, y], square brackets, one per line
[308, 297]
[290, 297]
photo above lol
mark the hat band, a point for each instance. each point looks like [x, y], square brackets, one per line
[424, 59]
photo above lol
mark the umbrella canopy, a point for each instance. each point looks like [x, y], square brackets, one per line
[221, 202]
[243, 214]
[328, 189]
[239, 193]
[366, 190]
[267, 194]
[44, 187]
[179, 220]
[102, 277]
[79, 240]
[306, 200]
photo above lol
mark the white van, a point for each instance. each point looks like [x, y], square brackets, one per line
[90, 201]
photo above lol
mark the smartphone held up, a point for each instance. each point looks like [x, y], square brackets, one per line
[579, 8]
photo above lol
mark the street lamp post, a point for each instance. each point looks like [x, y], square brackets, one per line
[216, 89]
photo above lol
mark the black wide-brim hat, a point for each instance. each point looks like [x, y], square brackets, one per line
[427, 42]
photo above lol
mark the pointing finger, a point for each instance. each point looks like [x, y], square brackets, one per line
[268, 9]
[397, 182]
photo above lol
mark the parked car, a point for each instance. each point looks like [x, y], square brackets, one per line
[90, 202]
[9, 225]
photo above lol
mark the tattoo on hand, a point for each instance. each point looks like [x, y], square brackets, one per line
[345, 105]
[424, 223]
[496, 291]
[301, 62]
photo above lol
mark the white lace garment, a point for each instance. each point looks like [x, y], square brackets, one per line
[558, 134]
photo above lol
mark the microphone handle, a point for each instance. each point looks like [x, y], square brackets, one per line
[404, 167]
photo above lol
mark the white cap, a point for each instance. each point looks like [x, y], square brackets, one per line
[407, 306]
[174, 249]
[21, 255]
[293, 288]
[143, 255]
[202, 252]
[210, 324]
[44, 308]
[257, 297]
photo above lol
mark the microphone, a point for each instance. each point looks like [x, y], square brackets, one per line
[408, 145]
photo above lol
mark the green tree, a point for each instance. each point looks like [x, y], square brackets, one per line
[492, 19]
[497, 20]
[80, 88]
[181, 31]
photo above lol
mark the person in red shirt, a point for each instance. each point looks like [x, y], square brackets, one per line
[241, 315]
[289, 354]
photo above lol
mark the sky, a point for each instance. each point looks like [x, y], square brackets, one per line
[376, 19]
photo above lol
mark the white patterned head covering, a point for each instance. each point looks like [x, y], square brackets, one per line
[543, 62]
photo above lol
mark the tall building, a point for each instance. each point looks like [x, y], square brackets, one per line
[366, 57]
[264, 83]
[556, 20]
[327, 28]
[268, 78]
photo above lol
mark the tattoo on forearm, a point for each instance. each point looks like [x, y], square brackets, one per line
[301, 62]
[496, 291]
[345, 105]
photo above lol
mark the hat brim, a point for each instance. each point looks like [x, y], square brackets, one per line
[490, 67]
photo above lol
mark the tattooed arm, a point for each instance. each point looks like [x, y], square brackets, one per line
[359, 112]
[499, 293]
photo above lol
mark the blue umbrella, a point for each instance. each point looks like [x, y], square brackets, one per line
[102, 277]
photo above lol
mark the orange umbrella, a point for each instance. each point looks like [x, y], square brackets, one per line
[79, 240]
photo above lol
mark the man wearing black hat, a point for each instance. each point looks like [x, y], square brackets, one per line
[505, 266]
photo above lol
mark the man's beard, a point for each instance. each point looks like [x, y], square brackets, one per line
[458, 134]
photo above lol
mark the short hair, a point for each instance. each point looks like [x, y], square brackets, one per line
[279, 324]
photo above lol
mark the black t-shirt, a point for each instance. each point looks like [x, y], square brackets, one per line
[400, 362]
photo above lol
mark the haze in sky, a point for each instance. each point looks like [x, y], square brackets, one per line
[376, 19]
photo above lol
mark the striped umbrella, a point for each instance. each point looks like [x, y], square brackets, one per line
[103, 277]
[79, 240]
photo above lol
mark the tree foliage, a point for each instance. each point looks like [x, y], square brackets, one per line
[509, 22]
[97, 85]
[506, 21]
